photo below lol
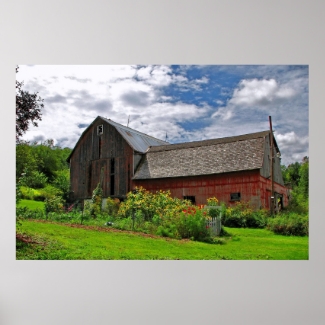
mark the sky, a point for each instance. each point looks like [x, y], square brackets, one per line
[177, 103]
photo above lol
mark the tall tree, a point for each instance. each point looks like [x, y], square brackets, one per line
[28, 109]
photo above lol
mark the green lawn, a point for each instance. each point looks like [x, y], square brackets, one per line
[30, 204]
[58, 241]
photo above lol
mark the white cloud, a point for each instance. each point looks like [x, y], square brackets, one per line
[158, 76]
[259, 93]
[203, 80]
[295, 147]
[224, 113]
[75, 95]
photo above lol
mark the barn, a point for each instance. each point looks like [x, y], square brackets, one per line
[232, 169]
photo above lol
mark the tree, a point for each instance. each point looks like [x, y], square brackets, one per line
[25, 159]
[291, 174]
[28, 109]
[304, 178]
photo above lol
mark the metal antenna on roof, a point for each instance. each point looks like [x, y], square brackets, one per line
[128, 121]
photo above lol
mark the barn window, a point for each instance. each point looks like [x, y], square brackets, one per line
[190, 198]
[99, 147]
[235, 196]
[112, 166]
[100, 129]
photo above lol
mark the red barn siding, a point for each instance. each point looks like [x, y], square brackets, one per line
[250, 184]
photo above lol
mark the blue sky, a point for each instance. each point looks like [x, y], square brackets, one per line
[188, 102]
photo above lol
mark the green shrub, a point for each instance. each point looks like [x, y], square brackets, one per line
[159, 204]
[54, 204]
[163, 215]
[25, 213]
[35, 179]
[123, 223]
[111, 206]
[41, 194]
[289, 224]
[49, 192]
[167, 230]
[192, 224]
[242, 215]
[28, 193]
[62, 182]
[96, 201]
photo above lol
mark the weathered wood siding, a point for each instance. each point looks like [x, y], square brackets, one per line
[91, 163]
[266, 169]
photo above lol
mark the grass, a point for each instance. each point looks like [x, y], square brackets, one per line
[31, 204]
[63, 242]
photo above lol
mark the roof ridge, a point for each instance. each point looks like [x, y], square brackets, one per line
[130, 129]
[207, 142]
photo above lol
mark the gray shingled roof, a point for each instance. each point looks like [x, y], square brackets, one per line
[137, 140]
[207, 157]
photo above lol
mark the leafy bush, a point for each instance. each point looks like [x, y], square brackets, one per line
[25, 213]
[41, 194]
[62, 182]
[111, 206]
[49, 192]
[192, 224]
[168, 230]
[159, 204]
[163, 215]
[54, 204]
[242, 215]
[31, 194]
[289, 224]
[36, 179]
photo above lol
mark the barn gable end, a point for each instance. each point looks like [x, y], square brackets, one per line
[106, 153]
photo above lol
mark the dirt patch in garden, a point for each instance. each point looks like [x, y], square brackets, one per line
[27, 239]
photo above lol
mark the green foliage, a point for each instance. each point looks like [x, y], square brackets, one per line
[25, 159]
[242, 215]
[19, 183]
[93, 208]
[28, 193]
[111, 206]
[97, 201]
[35, 179]
[304, 179]
[54, 204]
[62, 182]
[41, 194]
[26, 213]
[28, 109]
[159, 204]
[44, 158]
[297, 177]
[192, 224]
[290, 224]
[291, 174]
[163, 215]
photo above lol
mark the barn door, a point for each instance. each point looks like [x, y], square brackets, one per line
[98, 174]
